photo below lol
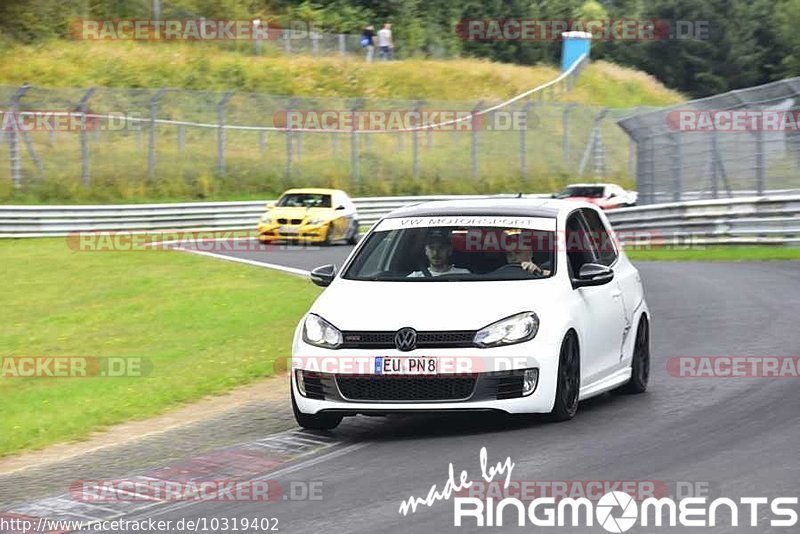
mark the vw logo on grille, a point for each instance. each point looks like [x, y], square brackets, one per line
[405, 339]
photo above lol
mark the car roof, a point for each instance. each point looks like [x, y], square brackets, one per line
[516, 207]
[588, 185]
[313, 190]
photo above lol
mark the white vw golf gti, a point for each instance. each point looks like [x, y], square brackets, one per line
[513, 305]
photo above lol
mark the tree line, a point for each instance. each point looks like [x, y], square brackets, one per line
[746, 42]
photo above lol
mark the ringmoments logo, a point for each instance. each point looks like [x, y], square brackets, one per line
[615, 511]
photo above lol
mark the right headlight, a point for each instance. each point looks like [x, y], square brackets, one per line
[320, 333]
[515, 329]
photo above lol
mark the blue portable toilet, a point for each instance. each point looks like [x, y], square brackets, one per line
[574, 45]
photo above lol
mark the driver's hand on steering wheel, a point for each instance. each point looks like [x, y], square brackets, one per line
[532, 268]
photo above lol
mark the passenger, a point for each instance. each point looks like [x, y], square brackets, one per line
[439, 253]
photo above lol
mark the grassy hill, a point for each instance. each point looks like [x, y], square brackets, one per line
[206, 66]
[256, 167]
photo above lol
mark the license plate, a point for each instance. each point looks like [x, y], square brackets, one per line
[393, 365]
[288, 230]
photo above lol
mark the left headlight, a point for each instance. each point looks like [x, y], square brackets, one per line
[515, 329]
[316, 221]
[320, 333]
[266, 219]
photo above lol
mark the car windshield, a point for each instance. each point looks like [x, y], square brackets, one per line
[305, 200]
[582, 191]
[455, 253]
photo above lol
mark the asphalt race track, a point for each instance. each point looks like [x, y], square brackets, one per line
[734, 436]
[731, 437]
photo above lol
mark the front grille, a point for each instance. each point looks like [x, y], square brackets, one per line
[297, 221]
[281, 221]
[425, 340]
[290, 221]
[402, 388]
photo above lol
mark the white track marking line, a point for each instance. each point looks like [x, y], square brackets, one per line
[290, 270]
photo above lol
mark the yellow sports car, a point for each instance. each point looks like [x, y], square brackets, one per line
[320, 216]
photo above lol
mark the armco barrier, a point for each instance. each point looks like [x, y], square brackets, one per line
[753, 220]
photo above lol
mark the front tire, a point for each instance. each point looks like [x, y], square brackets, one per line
[352, 239]
[569, 380]
[328, 236]
[319, 421]
[640, 364]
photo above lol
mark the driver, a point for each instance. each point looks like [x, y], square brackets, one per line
[439, 252]
[520, 254]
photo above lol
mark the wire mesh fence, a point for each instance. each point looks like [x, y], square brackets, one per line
[740, 142]
[138, 143]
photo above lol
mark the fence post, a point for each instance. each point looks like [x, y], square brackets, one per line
[599, 147]
[151, 141]
[181, 137]
[759, 162]
[523, 143]
[221, 132]
[289, 141]
[342, 46]
[565, 135]
[314, 36]
[262, 141]
[354, 158]
[83, 107]
[677, 179]
[287, 42]
[415, 140]
[475, 128]
[258, 30]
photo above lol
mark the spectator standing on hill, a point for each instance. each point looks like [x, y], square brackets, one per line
[385, 42]
[368, 41]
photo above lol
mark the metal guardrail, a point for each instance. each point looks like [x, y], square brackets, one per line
[59, 221]
[753, 220]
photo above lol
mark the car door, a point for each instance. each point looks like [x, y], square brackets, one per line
[600, 308]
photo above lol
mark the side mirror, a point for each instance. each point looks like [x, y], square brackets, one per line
[612, 195]
[593, 274]
[323, 276]
[339, 208]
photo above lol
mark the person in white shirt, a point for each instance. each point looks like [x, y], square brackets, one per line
[385, 43]
[439, 252]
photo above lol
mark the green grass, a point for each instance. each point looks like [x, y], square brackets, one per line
[207, 66]
[205, 326]
[717, 253]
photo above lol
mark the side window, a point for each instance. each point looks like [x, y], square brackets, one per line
[580, 249]
[601, 238]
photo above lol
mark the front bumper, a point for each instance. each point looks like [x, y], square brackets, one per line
[301, 232]
[491, 370]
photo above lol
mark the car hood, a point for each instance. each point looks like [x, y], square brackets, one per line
[360, 305]
[299, 213]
